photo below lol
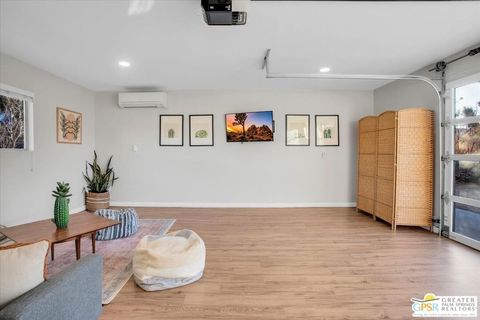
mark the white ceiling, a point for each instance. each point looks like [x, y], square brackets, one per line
[171, 48]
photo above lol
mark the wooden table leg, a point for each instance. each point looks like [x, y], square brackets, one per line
[93, 242]
[52, 251]
[77, 247]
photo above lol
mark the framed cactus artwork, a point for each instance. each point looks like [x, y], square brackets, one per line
[171, 130]
[201, 130]
[327, 133]
[69, 126]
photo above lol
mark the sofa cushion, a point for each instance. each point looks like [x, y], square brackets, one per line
[23, 267]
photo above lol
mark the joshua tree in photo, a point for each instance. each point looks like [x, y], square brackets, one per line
[240, 119]
[12, 123]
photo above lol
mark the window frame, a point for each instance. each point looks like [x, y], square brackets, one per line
[449, 147]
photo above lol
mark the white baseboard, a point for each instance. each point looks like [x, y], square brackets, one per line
[77, 210]
[233, 205]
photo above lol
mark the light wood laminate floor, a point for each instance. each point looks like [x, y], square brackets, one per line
[303, 263]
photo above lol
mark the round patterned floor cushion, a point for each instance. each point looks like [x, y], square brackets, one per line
[128, 223]
[173, 260]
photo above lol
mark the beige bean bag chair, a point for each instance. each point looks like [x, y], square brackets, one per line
[173, 260]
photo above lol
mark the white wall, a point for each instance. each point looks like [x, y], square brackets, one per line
[228, 174]
[400, 94]
[27, 178]
[231, 174]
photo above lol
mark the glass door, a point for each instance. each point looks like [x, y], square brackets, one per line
[462, 176]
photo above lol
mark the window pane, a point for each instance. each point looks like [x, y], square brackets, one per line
[467, 138]
[466, 221]
[467, 179]
[12, 123]
[467, 100]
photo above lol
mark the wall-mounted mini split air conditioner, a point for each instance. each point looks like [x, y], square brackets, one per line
[142, 99]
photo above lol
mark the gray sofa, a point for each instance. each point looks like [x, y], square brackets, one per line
[75, 293]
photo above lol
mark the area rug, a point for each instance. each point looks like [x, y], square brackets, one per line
[117, 255]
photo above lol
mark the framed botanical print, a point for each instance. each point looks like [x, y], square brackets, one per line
[297, 129]
[201, 130]
[171, 130]
[327, 131]
[69, 126]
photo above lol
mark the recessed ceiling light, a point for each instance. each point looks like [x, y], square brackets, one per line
[124, 63]
[324, 69]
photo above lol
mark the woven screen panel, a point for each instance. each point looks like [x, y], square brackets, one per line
[418, 166]
[386, 141]
[415, 167]
[413, 217]
[367, 124]
[415, 140]
[366, 187]
[365, 204]
[367, 142]
[386, 120]
[385, 167]
[385, 191]
[367, 164]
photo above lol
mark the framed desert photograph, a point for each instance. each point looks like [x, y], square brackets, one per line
[327, 130]
[257, 126]
[171, 130]
[69, 126]
[297, 129]
[201, 130]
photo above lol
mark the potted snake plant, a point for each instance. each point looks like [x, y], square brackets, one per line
[99, 183]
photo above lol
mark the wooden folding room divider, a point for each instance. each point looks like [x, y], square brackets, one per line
[401, 164]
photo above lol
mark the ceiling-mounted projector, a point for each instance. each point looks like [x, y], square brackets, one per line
[225, 12]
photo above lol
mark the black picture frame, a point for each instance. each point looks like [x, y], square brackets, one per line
[160, 131]
[190, 130]
[338, 130]
[286, 130]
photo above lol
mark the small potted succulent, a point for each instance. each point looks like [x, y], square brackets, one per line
[61, 212]
[99, 183]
